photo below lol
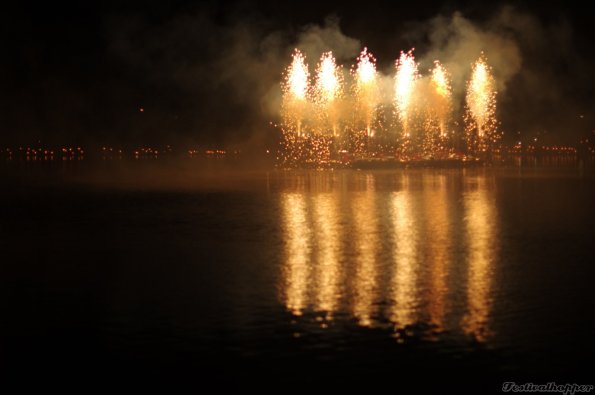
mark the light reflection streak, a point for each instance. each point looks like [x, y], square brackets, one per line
[298, 244]
[326, 226]
[480, 214]
[366, 239]
[439, 229]
[331, 254]
[404, 279]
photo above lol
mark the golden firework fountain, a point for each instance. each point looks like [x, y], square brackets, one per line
[325, 118]
[481, 127]
[405, 83]
[296, 88]
[438, 136]
[367, 98]
[326, 97]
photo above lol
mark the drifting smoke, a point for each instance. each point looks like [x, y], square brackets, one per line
[454, 41]
[457, 43]
[434, 97]
[207, 70]
[423, 104]
[534, 64]
[314, 40]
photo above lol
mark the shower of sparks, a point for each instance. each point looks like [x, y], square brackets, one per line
[481, 126]
[366, 69]
[328, 90]
[405, 79]
[440, 80]
[296, 90]
[294, 107]
[325, 124]
[480, 95]
[366, 88]
[328, 82]
[437, 105]
[442, 96]
[297, 76]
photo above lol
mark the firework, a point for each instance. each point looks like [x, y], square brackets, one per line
[437, 101]
[481, 127]
[441, 95]
[328, 90]
[366, 88]
[296, 90]
[323, 121]
[405, 81]
[328, 79]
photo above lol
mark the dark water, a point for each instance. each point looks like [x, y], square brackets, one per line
[442, 281]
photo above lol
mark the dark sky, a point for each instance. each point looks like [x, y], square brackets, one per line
[78, 72]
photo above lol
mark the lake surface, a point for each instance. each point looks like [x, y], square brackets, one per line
[427, 280]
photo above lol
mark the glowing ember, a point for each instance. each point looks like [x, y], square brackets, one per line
[404, 87]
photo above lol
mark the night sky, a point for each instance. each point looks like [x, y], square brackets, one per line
[79, 72]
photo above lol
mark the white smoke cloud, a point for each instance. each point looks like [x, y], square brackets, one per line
[457, 43]
[245, 60]
[315, 39]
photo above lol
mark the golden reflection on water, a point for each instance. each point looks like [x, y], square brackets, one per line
[297, 234]
[326, 227]
[480, 220]
[366, 228]
[402, 311]
[354, 245]
[438, 228]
